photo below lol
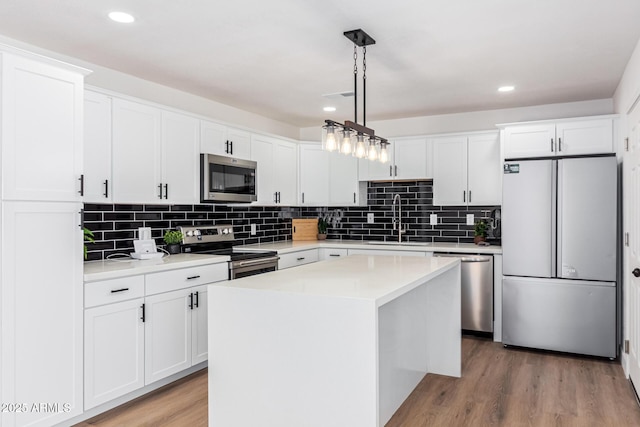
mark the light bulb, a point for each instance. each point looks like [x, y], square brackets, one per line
[384, 155]
[373, 152]
[345, 148]
[331, 143]
[361, 149]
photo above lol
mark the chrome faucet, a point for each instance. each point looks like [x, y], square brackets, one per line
[397, 223]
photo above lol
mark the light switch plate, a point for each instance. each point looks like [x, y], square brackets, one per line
[433, 219]
[370, 218]
[470, 219]
[253, 229]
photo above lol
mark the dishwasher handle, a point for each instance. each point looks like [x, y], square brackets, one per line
[465, 258]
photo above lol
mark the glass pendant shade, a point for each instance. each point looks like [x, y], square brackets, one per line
[330, 142]
[361, 147]
[372, 154]
[384, 154]
[346, 146]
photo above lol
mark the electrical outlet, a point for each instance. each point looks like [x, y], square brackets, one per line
[433, 219]
[253, 229]
[470, 220]
[370, 218]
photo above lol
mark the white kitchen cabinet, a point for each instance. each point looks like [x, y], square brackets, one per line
[466, 170]
[114, 351]
[136, 152]
[298, 258]
[199, 336]
[386, 252]
[559, 138]
[332, 253]
[41, 130]
[180, 169]
[408, 160]
[41, 310]
[97, 147]
[276, 173]
[224, 141]
[343, 180]
[314, 175]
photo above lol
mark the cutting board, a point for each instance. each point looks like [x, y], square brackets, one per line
[305, 229]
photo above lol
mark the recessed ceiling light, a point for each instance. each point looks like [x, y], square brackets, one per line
[122, 17]
[506, 88]
[329, 109]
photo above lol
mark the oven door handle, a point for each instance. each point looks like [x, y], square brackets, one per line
[257, 261]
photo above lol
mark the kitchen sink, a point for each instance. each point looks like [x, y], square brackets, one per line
[399, 243]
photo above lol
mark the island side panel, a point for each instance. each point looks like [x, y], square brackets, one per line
[281, 359]
[444, 323]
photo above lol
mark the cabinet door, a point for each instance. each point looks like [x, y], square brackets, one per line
[114, 351]
[167, 334]
[450, 171]
[410, 158]
[136, 152]
[41, 131]
[199, 336]
[41, 310]
[213, 138]
[286, 173]
[529, 141]
[376, 169]
[97, 147]
[484, 166]
[343, 180]
[239, 143]
[262, 152]
[585, 137]
[180, 160]
[314, 175]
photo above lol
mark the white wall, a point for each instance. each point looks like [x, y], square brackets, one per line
[474, 121]
[628, 90]
[107, 78]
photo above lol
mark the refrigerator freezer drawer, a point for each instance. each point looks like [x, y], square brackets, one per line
[572, 316]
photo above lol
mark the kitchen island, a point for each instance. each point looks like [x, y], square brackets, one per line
[331, 343]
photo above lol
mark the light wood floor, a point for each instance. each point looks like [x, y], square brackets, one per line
[499, 387]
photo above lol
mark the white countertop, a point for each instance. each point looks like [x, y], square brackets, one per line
[284, 247]
[122, 267]
[377, 278]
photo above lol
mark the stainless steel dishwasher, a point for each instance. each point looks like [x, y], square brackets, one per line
[477, 290]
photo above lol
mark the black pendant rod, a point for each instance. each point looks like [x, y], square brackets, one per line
[364, 85]
[355, 83]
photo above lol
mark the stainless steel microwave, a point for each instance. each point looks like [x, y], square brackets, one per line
[226, 179]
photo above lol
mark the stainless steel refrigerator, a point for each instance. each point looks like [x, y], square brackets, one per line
[559, 253]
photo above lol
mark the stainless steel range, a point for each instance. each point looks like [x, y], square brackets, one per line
[219, 240]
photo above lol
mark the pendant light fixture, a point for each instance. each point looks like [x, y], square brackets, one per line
[352, 138]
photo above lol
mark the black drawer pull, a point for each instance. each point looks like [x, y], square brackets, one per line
[143, 313]
[193, 277]
[115, 291]
[301, 258]
[197, 303]
[334, 254]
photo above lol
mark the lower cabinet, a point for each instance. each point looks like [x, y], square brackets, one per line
[298, 258]
[387, 252]
[332, 253]
[133, 340]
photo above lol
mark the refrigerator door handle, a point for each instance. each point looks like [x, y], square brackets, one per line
[556, 224]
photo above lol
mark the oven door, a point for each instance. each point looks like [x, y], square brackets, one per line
[239, 269]
[225, 179]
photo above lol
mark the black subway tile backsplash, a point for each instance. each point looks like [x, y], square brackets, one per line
[115, 226]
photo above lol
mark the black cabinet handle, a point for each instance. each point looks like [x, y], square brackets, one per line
[301, 258]
[226, 146]
[81, 218]
[559, 144]
[552, 145]
[106, 188]
[166, 191]
[193, 277]
[464, 196]
[279, 199]
[390, 170]
[354, 197]
[115, 291]
[275, 197]
[231, 145]
[81, 179]
[302, 197]
[143, 318]
[160, 189]
[334, 254]
[469, 196]
[395, 170]
[191, 300]
[636, 272]
[197, 299]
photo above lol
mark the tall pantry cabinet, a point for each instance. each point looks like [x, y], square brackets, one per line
[41, 352]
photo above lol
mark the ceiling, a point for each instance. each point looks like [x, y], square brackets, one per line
[278, 58]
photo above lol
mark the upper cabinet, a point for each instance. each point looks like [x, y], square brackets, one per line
[466, 170]
[559, 138]
[224, 141]
[276, 172]
[408, 159]
[154, 155]
[41, 132]
[97, 148]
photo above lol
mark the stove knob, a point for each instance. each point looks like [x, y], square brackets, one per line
[189, 233]
[225, 231]
[196, 232]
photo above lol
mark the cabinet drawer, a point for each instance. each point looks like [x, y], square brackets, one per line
[384, 252]
[331, 253]
[296, 259]
[156, 283]
[115, 290]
